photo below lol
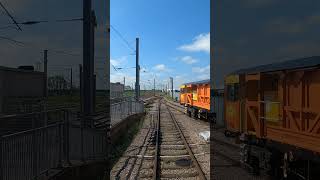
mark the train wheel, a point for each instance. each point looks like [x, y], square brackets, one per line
[285, 165]
[226, 133]
[193, 113]
[189, 113]
[275, 163]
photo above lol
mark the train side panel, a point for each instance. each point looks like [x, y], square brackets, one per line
[284, 107]
[201, 98]
[196, 98]
[298, 121]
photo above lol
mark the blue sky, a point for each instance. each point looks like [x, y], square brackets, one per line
[174, 40]
[174, 36]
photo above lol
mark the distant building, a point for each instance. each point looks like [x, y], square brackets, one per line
[19, 87]
[116, 90]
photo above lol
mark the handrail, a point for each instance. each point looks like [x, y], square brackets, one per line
[30, 130]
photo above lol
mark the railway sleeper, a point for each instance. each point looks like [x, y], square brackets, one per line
[173, 165]
[178, 173]
[174, 147]
[172, 152]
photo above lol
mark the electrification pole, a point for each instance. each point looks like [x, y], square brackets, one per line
[137, 71]
[45, 69]
[71, 81]
[171, 79]
[81, 88]
[107, 80]
[154, 86]
[45, 84]
[124, 83]
[87, 50]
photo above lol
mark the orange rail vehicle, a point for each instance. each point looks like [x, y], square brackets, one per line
[276, 109]
[195, 96]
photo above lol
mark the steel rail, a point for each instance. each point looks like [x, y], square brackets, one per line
[194, 160]
[156, 157]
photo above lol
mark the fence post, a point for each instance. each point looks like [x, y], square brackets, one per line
[135, 107]
[66, 136]
[128, 107]
[93, 143]
[81, 140]
[60, 144]
[34, 153]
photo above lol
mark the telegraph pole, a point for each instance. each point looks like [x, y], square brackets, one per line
[137, 71]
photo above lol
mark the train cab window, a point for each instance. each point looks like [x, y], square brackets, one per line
[233, 92]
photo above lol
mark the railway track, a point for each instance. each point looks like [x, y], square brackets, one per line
[173, 106]
[164, 151]
[174, 157]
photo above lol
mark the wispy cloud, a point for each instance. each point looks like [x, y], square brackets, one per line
[118, 61]
[161, 68]
[188, 60]
[205, 69]
[201, 43]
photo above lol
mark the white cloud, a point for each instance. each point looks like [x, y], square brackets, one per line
[205, 69]
[118, 61]
[188, 60]
[160, 67]
[201, 43]
[114, 62]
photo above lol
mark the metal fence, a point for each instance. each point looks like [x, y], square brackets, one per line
[31, 153]
[122, 110]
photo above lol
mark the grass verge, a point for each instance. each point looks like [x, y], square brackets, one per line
[124, 141]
